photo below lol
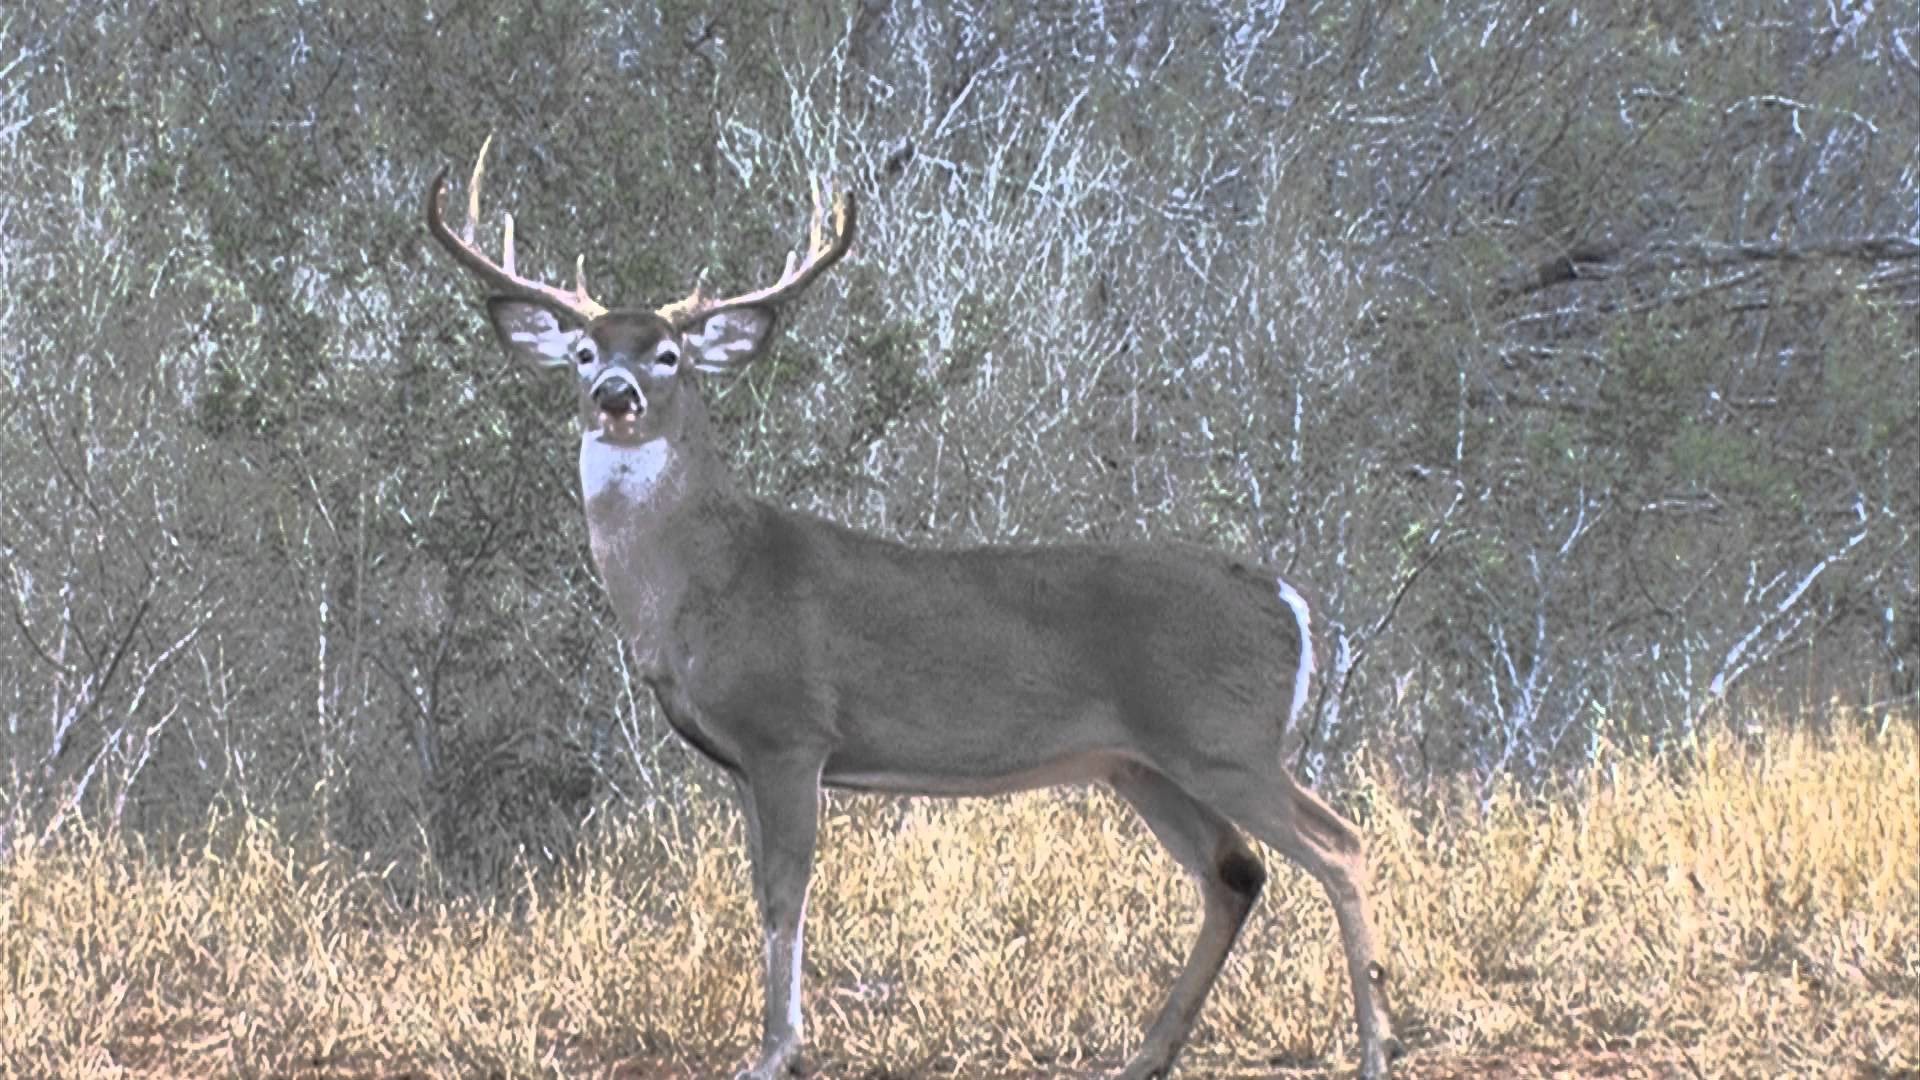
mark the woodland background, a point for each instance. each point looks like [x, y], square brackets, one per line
[1568, 354]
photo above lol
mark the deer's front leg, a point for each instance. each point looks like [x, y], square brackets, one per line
[781, 799]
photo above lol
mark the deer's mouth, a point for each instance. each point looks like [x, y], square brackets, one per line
[623, 425]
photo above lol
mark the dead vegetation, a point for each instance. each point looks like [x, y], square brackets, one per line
[1752, 908]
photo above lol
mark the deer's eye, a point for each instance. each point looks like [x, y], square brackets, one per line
[666, 358]
[583, 356]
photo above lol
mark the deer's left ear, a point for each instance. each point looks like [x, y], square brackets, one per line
[729, 338]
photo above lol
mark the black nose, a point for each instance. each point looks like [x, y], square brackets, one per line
[618, 396]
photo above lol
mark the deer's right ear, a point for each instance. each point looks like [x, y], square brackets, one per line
[532, 332]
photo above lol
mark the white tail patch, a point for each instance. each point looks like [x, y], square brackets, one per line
[1304, 617]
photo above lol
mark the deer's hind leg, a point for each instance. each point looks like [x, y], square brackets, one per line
[1300, 825]
[1229, 877]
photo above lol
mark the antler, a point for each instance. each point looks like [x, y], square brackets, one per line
[500, 276]
[823, 250]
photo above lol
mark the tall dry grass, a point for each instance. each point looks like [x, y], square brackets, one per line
[1754, 910]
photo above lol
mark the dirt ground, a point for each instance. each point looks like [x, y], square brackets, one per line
[1436, 1064]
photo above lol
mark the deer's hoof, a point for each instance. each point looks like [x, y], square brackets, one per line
[773, 1067]
[1377, 1061]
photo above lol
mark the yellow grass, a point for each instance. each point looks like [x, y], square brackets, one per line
[1753, 912]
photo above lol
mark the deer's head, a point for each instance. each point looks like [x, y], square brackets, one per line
[633, 367]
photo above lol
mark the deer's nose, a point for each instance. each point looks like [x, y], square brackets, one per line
[617, 394]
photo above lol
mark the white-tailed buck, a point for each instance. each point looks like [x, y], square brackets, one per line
[794, 652]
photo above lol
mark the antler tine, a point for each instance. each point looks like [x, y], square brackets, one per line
[501, 278]
[473, 187]
[819, 222]
[823, 251]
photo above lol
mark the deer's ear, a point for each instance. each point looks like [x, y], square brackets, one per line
[728, 338]
[533, 333]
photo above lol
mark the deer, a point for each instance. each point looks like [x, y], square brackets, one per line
[795, 653]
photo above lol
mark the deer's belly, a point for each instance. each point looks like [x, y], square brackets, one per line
[1080, 768]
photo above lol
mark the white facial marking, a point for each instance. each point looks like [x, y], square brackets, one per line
[601, 379]
[1305, 675]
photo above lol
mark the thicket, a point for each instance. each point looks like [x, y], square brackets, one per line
[1566, 353]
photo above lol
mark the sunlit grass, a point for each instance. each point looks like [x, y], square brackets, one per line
[1753, 911]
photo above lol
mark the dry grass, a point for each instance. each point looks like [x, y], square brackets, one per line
[1753, 912]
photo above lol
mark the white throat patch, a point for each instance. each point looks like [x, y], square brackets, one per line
[629, 473]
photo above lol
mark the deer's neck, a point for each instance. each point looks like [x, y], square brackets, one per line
[645, 506]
